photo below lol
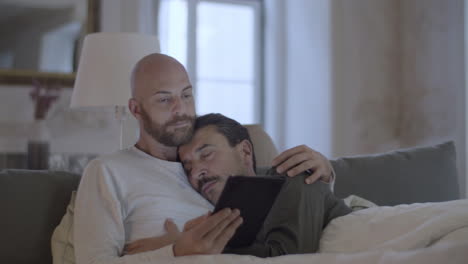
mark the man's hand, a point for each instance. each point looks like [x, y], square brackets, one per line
[153, 243]
[302, 158]
[208, 234]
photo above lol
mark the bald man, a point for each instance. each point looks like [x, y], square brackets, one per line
[129, 195]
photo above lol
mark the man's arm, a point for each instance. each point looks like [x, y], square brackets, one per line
[99, 234]
[207, 234]
[153, 243]
[301, 159]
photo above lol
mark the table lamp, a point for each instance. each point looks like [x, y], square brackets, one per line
[104, 70]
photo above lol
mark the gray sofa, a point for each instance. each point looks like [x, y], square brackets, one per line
[33, 202]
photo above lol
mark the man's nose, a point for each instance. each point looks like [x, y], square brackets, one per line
[200, 174]
[178, 106]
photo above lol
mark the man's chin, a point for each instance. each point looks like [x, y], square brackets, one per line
[177, 139]
[212, 201]
[182, 135]
[210, 197]
[214, 198]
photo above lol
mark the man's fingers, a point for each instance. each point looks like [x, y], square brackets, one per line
[314, 177]
[171, 227]
[130, 251]
[196, 221]
[302, 167]
[195, 241]
[131, 246]
[223, 238]
[211, 221]
[287, 154]
[293, 161]
[221, 226]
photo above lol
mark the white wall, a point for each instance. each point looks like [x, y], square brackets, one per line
[366, 76]
[393, 73]
[433, 75]
[399, 76]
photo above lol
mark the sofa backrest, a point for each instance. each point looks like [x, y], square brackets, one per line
[404, 176]
[265, 150]
[32, 203]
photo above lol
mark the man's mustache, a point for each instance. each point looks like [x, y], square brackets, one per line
[204, 180]
[179, 119]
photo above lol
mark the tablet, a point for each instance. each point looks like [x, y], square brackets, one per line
[253, 196]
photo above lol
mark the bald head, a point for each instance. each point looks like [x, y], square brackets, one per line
[156, 71]
[162, 102]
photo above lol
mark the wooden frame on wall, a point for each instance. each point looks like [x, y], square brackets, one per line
[27, 77]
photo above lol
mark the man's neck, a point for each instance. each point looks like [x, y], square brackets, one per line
[156, 149]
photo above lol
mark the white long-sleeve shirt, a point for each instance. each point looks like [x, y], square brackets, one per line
[127, 196]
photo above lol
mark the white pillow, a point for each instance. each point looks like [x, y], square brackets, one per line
[358, 203]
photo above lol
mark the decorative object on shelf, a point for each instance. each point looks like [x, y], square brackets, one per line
[106, 63]
[43, 96]
[38, 143]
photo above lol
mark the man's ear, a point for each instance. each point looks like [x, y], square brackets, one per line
[246, 150]
[134, 107]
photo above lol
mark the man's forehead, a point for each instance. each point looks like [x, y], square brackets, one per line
[150, 80]
[171, 90]
[201, 137]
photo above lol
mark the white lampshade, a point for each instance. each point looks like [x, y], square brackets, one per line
[106, 63]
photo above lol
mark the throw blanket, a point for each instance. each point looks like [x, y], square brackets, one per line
[418, 234]
[401, 227]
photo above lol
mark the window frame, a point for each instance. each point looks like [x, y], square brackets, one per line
[192, 58]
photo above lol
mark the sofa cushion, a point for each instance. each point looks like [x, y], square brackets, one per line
[265, 150]
[421, 174]
[32, 202]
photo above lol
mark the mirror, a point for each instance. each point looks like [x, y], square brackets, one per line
[41, 39]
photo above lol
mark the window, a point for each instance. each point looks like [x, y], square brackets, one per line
[218, 41]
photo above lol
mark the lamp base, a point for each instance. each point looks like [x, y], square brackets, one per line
[120, 115]
[38, 155]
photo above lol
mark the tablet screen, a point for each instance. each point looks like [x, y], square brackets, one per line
[253, 196]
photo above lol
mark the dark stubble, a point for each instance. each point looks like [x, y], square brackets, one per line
[160, 133]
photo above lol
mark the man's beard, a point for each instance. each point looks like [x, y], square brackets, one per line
[160, 133]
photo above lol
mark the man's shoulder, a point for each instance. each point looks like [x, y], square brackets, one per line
[119, 158]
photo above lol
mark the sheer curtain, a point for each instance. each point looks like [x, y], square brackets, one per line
[298, 85]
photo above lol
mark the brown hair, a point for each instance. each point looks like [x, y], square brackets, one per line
[232, 130]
